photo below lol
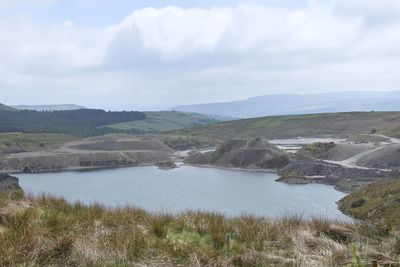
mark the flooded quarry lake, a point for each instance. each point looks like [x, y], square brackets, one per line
[229, 192]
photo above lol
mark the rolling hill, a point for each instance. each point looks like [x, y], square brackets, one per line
[4, 107]
[288, 104]
[293, 126]
[83, 122]
[49, 107]
[163, 121]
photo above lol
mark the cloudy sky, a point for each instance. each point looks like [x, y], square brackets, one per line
[153, 54]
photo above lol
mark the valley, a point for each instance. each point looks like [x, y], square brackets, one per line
[272, 167]
[357, 158]
[275, 167]
[255, 133]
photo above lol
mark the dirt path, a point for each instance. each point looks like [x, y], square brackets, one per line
[352, 161]
[392, 139]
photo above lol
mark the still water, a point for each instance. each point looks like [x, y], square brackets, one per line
[189, 188]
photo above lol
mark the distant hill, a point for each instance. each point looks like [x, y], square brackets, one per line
[293, 126]
[83, 122]
[49, 107]
[161, 121]
[287, 104]
[4, 107]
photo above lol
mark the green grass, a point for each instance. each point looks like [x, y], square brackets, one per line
[47, 231]
[164, 121]
[20, 142]
[378, 203]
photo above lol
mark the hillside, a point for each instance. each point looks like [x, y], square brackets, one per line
[293, 126]
[289, 104]
[4, 107]
[49, 107]
[83, 122]
[165, 121]
[376, 202]
[19, 142]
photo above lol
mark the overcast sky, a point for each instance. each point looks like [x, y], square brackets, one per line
[153, 54]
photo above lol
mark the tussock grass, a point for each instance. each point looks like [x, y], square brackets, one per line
[48, 231]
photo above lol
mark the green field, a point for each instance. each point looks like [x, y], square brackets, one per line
[22, 142]
[163, 121]
[293, 126]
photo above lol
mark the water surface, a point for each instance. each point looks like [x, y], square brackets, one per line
[189, 188]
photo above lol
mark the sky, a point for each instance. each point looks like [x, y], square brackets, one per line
[153, 54]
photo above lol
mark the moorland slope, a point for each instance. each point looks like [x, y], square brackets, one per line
[293, 126]
[162, 121]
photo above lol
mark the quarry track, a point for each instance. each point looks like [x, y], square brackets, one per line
[108, 151]
[352, 162]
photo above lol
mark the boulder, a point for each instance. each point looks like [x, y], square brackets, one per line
[358, 203]
[8, 183]
[166, 165]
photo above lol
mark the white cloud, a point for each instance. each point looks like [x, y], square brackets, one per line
[167, 56]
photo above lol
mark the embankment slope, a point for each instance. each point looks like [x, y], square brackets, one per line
[106, 151]
[239, 153]
[376, 202]
[386, 158]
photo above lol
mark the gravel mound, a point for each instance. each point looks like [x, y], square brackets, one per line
[248, 154]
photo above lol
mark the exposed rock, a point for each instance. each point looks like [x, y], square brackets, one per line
[344, 178]
[113, 150]
[358, 203]
[199, 158]
[8, 183]
[166, 165]
[238, 153]
[76, 160]
[330, 180]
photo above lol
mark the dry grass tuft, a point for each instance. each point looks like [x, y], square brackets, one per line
[47, 231]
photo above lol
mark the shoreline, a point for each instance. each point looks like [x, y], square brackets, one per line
[94, 168]
[230, 168]
[77, 169]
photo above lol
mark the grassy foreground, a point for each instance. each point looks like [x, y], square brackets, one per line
[50, 232]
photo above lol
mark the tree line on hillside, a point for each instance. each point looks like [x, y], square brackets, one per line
[83, 122]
